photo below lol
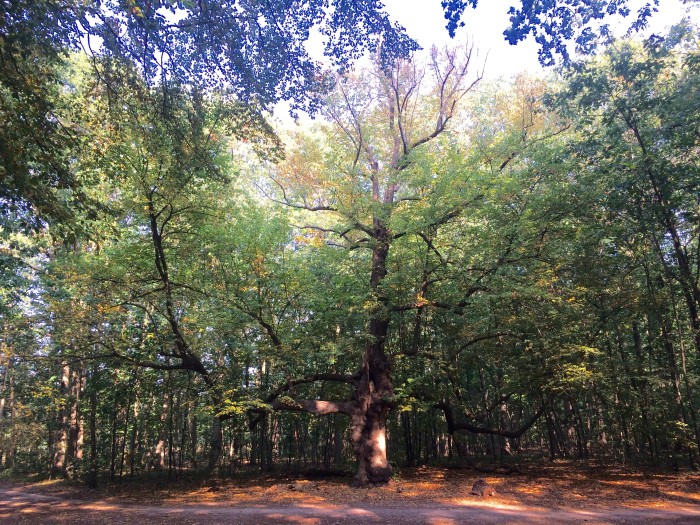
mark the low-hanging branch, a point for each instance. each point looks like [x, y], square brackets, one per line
[288, 386]
[455, 426]
[277, 402]
[315, 407]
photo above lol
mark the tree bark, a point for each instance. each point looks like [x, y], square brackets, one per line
[215, 443]
[60, 440]
[375, 390]
[74, 451]
[92, 472]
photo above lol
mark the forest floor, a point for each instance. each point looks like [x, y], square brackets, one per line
[555, 493]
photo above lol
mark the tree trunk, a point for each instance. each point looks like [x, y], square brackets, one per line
[368, 432]
[12, 449]
[134, 437]
[193, 438]
[60, 440]
[408, 438]
[552, 437]
[368, 423]
[92, 472]
[215, 444]
[3, 390]
[338, 435]
[125, 433]
[643, 387]
[375, 390]
[114, 442]
[170, 436]
[74, 452]
[159, 456]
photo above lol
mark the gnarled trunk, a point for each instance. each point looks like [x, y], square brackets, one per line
[368, 422]
[375, 390]
[368, 433]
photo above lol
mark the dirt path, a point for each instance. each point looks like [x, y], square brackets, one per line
[17, 507]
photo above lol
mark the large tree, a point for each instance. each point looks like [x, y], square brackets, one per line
[394, 184]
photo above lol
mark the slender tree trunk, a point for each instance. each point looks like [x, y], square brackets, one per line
[171, 435]
[159, 457]
[60, 440]
[408, 438]
[74, 451]
[3, 390]
[327, 440]
[134, 435]
[125, 433]
[114, 441]
[553, 442]
[193, 439]
[270, 443]
[643, 386]
[184, 424]
[92, 471]
[686, 381]
[338, 435]
[12, 449]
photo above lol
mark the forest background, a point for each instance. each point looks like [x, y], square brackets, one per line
[441, 269]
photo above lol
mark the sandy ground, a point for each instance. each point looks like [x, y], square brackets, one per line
[553, 494]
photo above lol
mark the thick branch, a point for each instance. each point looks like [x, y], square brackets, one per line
[317, 408]
[454, 426]
[289, 385]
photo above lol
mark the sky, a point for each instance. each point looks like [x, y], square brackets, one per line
[424, 21]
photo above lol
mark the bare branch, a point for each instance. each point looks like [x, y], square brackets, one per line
[286, 202]
[451, 88]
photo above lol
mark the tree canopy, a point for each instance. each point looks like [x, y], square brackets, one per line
[255, 49]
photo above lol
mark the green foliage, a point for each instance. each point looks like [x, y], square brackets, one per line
[537, 259]
[555, 23]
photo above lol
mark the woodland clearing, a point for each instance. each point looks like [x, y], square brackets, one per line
[561, 492]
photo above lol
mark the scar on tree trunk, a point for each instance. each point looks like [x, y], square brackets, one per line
[368, 424]
[368, 431]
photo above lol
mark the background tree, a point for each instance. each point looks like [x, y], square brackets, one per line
[639, 150]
